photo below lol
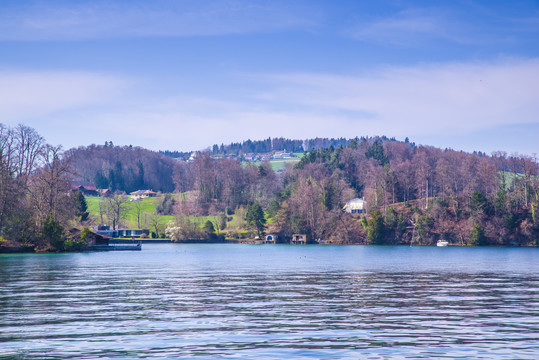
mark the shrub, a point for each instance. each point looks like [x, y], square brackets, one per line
[75, 245]
[376, 228]
[477, 235]
[52, 233]
[85, 233]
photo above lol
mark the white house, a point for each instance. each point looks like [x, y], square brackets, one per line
[141, 194]
[356, 206]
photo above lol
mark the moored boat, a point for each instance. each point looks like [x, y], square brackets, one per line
[442, 242]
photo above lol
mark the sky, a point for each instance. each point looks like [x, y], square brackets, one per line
[184, 75]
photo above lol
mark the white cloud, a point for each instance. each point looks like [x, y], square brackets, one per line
[425, 100]
[28, 95]
[452, 99]
[105, 19]
[410, 27]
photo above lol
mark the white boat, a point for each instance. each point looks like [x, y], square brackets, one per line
[442, 243]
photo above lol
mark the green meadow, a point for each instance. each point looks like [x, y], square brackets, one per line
[148, 209]
[278, 165]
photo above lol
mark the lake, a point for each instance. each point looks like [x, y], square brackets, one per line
[272, 302]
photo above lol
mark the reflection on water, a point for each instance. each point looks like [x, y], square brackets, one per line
[218, 301]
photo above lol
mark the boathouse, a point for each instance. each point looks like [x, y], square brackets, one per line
[299, 239]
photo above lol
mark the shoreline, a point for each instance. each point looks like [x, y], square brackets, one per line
[24, 250]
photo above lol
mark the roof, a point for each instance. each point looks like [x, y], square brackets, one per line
[83, 184]
[356, 204]
[142, 192]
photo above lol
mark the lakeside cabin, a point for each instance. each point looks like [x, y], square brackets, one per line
[122, 233]
[299, 239]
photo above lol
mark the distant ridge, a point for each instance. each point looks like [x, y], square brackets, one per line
[273, 144]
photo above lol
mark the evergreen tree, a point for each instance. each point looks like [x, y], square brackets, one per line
[139, 182]
[222, 221]
[255, 217]
[376, 228]
[81, 207]
[376, 151]
[209, 229]
[52, 233]
[477, 236]
[101, 181]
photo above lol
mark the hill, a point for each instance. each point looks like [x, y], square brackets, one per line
[414, 194]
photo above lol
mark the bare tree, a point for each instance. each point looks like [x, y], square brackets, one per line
[29, 146]
[102, 208]
[155, 223]
[7, 170]
[138, 211]
[49, 188]
[117, 205]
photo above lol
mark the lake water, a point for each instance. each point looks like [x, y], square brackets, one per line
[272, 302]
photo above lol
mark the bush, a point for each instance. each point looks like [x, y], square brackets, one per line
[75, 245]
[209, 228]
[376, 228]
[53, 232]
[85, 233]
[477, 236]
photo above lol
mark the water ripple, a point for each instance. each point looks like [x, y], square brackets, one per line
[170, 304]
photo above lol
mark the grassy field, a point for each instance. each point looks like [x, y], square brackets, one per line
[278, 165]
[148, 209]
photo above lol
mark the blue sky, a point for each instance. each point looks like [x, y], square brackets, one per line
[183, 75]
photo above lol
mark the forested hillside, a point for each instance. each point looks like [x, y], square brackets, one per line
[123, 168]
[414, 194]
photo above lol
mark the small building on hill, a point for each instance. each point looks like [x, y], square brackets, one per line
[104, 192]
[282, 155]
[141, 194]
[355, 206]
[86, 188]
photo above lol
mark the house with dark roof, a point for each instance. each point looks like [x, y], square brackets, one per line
[86, 188]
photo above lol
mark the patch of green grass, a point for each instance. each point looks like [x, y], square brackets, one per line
[279, 165]
[276, 165]
[148, 208]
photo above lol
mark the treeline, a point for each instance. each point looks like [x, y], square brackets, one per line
[122, 168]
[415, 194]
[266, 146]
[37, 206]
[276, 144]
[180, 155]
